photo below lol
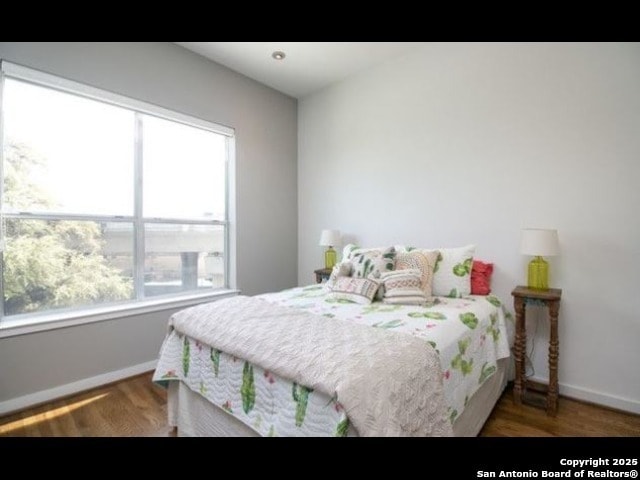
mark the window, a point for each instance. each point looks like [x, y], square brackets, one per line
[106, 199]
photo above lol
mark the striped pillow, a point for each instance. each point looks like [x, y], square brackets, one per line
[358, 290]
[403, 287]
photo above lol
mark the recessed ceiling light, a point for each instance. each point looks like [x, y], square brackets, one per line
[278, 55]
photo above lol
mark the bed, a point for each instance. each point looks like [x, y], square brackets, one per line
[215, 393]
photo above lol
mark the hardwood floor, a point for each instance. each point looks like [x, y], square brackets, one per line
[137, 407]
[131, 407]
[574, 419]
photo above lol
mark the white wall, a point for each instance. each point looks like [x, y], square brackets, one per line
[266, 204]
[469, 143]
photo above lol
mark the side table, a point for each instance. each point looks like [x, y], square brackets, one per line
[322, 274]
[524, 387]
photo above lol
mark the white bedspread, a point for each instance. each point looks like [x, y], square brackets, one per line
[389, 383]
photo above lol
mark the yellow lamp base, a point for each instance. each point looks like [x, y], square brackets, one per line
[330, 258]
[538, 277]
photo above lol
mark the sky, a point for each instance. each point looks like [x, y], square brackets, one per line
[89, 151]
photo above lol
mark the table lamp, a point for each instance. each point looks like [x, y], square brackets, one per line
[538, 242]
[330, 238]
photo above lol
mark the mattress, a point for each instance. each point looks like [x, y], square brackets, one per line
[471, 335]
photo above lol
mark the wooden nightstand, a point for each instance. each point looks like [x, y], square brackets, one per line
[322, 274]
[523, 387]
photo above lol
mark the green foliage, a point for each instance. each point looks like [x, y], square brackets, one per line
[51, 264]
[431, 315]
[453, 415]
[493, 300]
[491, 329]
[301, 397]
[342, 428]
[379, 307]
[469, 319]
[186, 356]
[338, 300]
[215, 359]
[389, 324]
[20, 164]
[459, 362]
[459, 270]
[464, 268]
[486, 372]
[248, 388]
[463, 345]
[437, 265]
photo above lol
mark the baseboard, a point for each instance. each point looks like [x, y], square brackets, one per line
[26, 401]
[599, 398]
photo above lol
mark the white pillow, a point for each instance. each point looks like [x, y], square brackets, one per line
[452, 273]
[369, 263]
[351, 248]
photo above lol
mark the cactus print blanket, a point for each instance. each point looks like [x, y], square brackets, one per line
[468, 334]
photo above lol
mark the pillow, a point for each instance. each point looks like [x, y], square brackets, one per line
[403, 287]
[358, 290]
[424, 261]
[481, 278]
[348, 250]
[452, 273]
[342, 269]
[371, 263]
[351, 248]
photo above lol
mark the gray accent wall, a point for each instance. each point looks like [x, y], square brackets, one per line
[265, 122]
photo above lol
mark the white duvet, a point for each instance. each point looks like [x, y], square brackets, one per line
[469, 335]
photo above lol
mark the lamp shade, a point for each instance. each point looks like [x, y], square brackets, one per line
[330, 238]
[539, 242]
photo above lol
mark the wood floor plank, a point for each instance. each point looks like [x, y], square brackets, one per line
[137, 407]
[574, 419]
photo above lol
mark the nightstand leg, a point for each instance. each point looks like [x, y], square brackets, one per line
[552, 395]
[519, 349]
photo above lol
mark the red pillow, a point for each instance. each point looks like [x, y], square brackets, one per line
[481, 278]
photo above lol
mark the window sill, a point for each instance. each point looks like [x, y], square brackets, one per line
[41, 323]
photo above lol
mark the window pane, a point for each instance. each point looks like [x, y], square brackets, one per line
[62, 264]
[65, 153]
[184, 171]
[183, 258]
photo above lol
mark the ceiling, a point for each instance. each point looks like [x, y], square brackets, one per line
[308, 66]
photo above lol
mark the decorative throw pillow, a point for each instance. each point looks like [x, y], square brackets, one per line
[481, 278]
[351, 248]
[348, 250]
[372, 263]
[403, 287]
[358, 290]
[342, 269]
[422, 260]
[452, 273]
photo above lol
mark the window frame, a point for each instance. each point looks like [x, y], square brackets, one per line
[139, 303]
